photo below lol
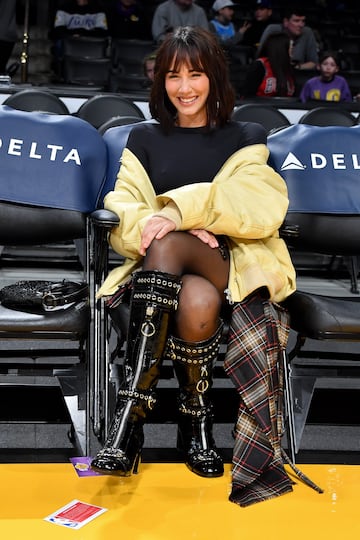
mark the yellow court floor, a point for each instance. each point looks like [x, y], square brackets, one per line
[168, 502]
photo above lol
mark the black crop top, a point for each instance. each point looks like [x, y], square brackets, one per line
[189, 155]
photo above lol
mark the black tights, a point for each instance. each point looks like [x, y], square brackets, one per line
[204, 274]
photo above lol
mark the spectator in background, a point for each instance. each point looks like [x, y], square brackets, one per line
[174, 13]
[272, 73]
[149, 68]
[262, 19]
[128, 19]
[8, 32]
[221, 24]
[304, 51]
[328, 86]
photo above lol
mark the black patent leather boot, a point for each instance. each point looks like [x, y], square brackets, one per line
[193, 365]
[153, 300]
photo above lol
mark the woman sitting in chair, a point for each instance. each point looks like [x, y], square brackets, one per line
[199, 213]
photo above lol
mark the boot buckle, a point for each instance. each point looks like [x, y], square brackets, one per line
[148, 329]
[202, 386]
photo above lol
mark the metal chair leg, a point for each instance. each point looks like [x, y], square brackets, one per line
[289, 408]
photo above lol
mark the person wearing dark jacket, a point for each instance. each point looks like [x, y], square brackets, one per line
[271, 75]
[128, 19]
[263, 16]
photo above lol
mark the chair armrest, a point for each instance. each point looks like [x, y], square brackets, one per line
[289, 231]
[104, 218]
[102, 222]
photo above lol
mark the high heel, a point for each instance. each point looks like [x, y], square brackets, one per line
[121, 461]
[193, 365]
[137, 463]
[153, 299]
[195, 440]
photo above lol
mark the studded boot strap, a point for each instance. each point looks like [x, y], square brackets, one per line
[193, 364]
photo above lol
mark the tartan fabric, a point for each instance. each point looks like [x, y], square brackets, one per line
[258, 332]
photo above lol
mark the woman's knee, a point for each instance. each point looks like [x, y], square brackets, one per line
[199, 295]
[166, 254]
[169, 244]
[199, 305]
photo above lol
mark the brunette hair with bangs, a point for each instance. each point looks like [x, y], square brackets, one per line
[200, 50]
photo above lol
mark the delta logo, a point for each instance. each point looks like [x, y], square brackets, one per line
[320, 161]
[35, 150]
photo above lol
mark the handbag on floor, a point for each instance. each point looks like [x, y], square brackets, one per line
[41, 295]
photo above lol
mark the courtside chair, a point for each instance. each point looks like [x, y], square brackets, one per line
[36, 99]
[118, 121]
[331, 116]
[321, 168]
[51, 176]
[327, 116]
[100, 108]
[266, 115]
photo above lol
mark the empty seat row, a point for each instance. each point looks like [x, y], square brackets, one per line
[107, 63]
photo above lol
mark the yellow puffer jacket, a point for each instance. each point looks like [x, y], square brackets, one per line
[247, 201]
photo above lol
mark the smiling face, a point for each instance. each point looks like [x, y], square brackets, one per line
[191, 85]
[188, 91]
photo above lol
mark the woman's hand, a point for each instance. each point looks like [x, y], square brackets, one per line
[206, 237]
[157, 227]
